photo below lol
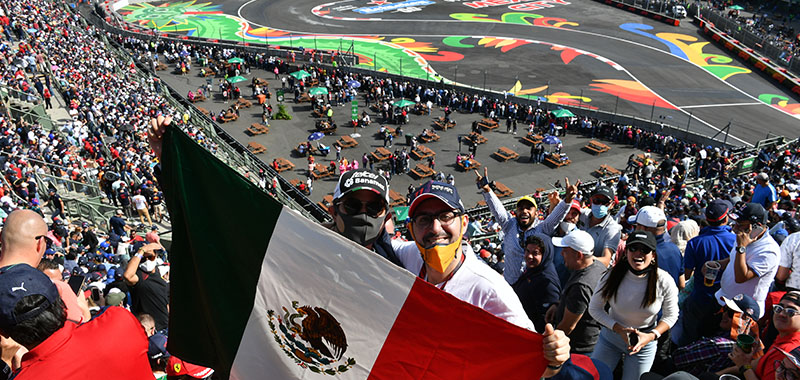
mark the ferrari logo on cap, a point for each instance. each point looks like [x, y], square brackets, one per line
[177, 367]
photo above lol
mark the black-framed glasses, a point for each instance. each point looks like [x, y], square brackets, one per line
[353, 206]
[445, 218]
[791, 312]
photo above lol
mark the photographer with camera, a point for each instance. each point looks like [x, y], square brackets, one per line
[149, 292]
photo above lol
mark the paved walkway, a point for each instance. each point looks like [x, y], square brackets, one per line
[519, 175]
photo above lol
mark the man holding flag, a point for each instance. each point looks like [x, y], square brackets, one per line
[297, 299]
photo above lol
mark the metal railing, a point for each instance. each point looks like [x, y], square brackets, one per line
[762, 44]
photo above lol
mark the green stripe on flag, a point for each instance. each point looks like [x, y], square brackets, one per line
[217, 215]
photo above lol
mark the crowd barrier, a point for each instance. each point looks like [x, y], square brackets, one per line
[780, 74]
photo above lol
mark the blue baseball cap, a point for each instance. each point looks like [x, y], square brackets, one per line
[581, 367]
[432, 189]
[157, 347]
[18, 281]
[717, 210]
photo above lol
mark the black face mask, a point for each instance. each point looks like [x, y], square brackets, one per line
[361, 228]
[641, 272]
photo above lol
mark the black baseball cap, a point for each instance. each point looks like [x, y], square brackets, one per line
[18, 281]
[604, 191]
[717, 210]
[752, 212]
[645, 238]
[362, 179]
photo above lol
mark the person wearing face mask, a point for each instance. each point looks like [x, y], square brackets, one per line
[599, 223]
[439, 256]
[149, 292]
[360, 211]
[524, 223]
[634, 291]
[569, 224]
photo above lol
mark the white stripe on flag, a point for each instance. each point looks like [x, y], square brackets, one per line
[319, 268]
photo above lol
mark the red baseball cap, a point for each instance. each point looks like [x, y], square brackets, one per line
[178, 367]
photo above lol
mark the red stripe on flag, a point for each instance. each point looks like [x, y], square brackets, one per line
[437, 336]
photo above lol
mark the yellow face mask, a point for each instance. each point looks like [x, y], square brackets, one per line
[439, 257]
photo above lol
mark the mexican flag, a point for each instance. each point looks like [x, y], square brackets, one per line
[260, 292]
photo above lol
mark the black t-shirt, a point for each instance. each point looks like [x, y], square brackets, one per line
[117, 225]
[576, 295]
[151, 295]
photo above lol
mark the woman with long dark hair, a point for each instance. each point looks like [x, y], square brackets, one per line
[627, 305]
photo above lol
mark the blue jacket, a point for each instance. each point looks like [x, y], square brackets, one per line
[669, 257]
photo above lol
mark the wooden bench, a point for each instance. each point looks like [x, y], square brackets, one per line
[321, 171]
[501, 190]
[304, 97]
[422, 152]
[474, 164]
[506, 154]
[244, 103]
[422, 171]
[380, 154]
[556, 161]
[257, 129]
[488, 124]
[346, 142]
[532, 139]
[256, 148]
[439, 122]
[326, 202]
[325, 127]
[229, 116]
[606, 171]
[596, 147]
[430, 137]
[283, 165]
[476, 138]
[396, 199]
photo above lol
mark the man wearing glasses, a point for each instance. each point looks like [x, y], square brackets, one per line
[440, 256]
[524, 224]
[360, 211]
[599, 223]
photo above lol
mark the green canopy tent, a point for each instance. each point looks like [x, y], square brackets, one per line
[235, 60]
[736, 7]
[317, 91]
[402, 103]
[562, 113]
[300, 74]
[401, 213]
[236, 79]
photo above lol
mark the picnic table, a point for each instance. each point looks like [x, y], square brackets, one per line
[207, 72]
[198, 98]
[229, 116]
[304, 97]
[596, 147]
[283, 165]
[422, 152]
[321, 171]
[257, 129]
[640, 158]
[422, 171]
[256, 148]
[606, 170]
[476, 138]
[439, 122]
[430, 137]
[396, 199]
[506, 154]
[296, 184]
[161, 66]
[260, 81]
[557, 160]
[326, 202]
[347, 142]
[204, 111]
[381, 154]
[421, 109]
[244, 103]
[325, 127]
[532, 139]
[474, 164]
[488, 124]
[318, 112]
[501, 190]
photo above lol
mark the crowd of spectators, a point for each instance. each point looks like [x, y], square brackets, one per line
[772, 27]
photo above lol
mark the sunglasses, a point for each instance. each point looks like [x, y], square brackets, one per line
[639, 248]
[600, 201]
[353, 206]
[791, 312]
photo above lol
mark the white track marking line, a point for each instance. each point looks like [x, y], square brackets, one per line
[725, 105]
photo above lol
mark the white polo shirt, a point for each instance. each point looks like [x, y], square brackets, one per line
[762, 257]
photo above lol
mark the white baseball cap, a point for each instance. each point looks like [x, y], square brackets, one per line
[578, 240]
[649, 216]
